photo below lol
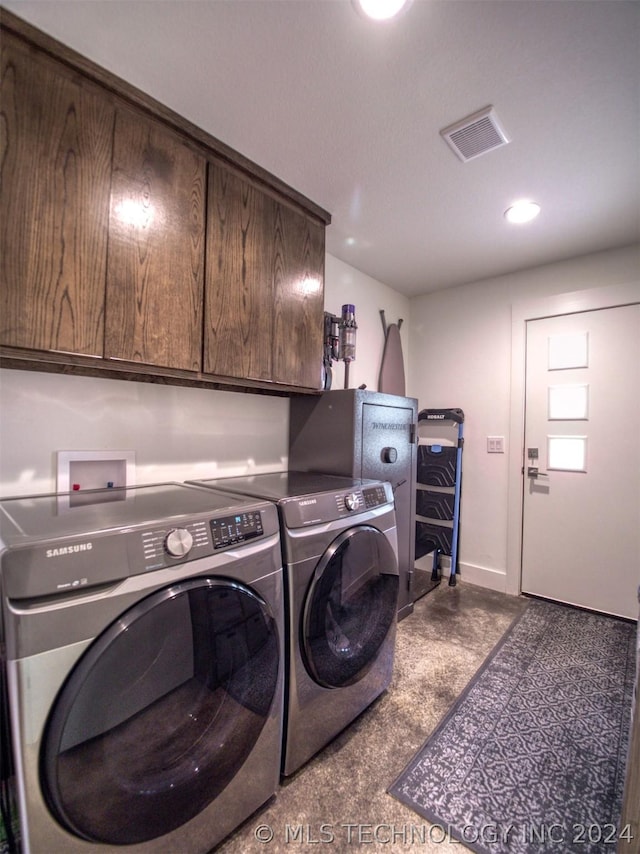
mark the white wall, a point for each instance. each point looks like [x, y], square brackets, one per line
[177, 433]
[345, 284]
[460, 355]
[457, 348]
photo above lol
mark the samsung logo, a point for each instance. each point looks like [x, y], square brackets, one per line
[380, 425]
[308, 501]
[69, 550]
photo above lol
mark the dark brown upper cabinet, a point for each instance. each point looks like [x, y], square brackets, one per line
[155, 265]
[298, 298]
[134, 244]
[55, 173]
[264, 285]
[238, 295]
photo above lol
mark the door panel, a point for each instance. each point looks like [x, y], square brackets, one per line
[160, 713]
[298, 277]
[155, 269]
[239, 294]
[264, 285]
[55, 173]
[388, 453]
[350, 607]
[581, 512]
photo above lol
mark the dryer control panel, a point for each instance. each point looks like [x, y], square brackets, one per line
[374, 496]
[321, 507]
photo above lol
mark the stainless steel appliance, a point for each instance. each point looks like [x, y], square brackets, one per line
[340, 554]
[366, 434]
[144, 653]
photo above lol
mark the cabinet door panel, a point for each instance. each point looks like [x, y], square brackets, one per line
[55, 163]
[155, 264]
[264, 286]
[239, 289]
[298, 271]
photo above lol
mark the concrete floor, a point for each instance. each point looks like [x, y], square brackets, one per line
[338, 801]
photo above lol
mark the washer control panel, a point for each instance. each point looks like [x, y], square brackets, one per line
[178, 542]
[352, 501]
[49, 548]
[170, 545]
[162, 544]
[237, 528]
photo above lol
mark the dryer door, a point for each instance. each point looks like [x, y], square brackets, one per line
[350, 607]
[160, 712]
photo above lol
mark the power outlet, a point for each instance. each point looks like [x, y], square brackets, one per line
[495, 444]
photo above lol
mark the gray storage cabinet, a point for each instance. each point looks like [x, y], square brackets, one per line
[364, 434]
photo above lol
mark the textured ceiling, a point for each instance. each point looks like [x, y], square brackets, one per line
[348, 112]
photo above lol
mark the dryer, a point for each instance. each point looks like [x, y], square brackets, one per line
[340, 553]
[144, 655]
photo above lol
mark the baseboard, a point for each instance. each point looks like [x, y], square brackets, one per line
[482, 576]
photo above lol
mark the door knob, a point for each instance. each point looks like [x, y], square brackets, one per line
[534, 471]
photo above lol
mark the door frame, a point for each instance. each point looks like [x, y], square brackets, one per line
[521, 312]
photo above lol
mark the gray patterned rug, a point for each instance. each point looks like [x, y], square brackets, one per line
[531, 757]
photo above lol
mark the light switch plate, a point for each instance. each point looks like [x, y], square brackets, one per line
[495, 444]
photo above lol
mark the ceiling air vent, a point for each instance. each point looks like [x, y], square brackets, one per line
[475, 135]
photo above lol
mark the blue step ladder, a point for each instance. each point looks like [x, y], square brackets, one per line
[439, 469]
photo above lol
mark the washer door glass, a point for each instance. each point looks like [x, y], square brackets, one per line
[160, 712]
[350, 607]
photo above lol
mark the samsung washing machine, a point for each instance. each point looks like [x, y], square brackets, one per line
[144, 655]
[339, 545]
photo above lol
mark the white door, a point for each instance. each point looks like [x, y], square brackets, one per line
[581, 512]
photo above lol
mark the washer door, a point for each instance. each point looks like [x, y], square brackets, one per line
[160, 712]
[350, 607]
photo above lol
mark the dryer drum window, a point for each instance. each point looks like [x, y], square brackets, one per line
[350, 607]
[160, 712]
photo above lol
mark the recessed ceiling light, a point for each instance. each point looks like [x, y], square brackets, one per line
[523, 211]
[381, 10]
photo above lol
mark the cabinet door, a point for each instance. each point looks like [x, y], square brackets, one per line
[155, 264]
[55, 165]
[239, 291]
[298, 274]
[264, 286]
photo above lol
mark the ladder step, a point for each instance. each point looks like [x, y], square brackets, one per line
[437, 465]
[432, 537]
[435, 505]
